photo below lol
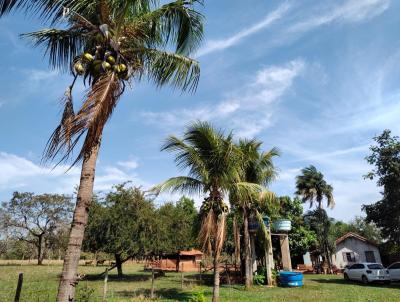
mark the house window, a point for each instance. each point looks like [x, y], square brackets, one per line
[349, 257]
[369, 256]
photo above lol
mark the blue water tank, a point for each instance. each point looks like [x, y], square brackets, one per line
[282, 225]
[290, 279]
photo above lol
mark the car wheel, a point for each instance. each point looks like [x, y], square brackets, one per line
[388, 282]
[346, 277]
[364, 279]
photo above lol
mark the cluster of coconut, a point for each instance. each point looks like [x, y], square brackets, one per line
[217, 204]
[99, 63]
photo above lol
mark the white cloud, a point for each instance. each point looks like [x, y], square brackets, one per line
[129, 164]
[348, 12]
[248, 110]
[217, 45]
[19, 173]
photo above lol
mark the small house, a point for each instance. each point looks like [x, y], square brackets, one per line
[352, 248]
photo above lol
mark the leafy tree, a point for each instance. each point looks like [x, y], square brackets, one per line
[301, 237]
[319, 222]
[312, 187]
[33, 218]
[109, 44]
[360, 226]
[122, 224]
[213, 168]
[257, 168]
[385, 213]
[176, 225]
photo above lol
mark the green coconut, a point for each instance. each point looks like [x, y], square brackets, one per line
[87, 57]
[97, 65]
[106, 65]
[111, 59]
[79, 68]
[122, 67]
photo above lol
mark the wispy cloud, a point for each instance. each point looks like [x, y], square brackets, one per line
[217, 45]
[348, 12]
[19, 173]
[247, 110]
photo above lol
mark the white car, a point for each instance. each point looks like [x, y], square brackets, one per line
[367, 272]
[394, 271]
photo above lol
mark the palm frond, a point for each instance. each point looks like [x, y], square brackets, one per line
[207, 229]
[90, 119]
[181, 184]
[163, 67]
[176, 23]
[186, 157]
[63, 130]
[62, 46]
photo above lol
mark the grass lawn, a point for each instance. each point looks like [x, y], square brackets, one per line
[40, 284]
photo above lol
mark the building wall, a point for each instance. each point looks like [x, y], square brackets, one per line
[356, 246]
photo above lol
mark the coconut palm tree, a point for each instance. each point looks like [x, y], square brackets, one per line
[211, 160]
[256, 167]
[312, 187]
[108, 44]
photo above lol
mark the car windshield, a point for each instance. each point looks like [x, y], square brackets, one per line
[375, 266]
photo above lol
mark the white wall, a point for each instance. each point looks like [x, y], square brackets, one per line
[356, 246]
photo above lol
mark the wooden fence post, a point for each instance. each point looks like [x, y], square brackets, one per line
[105, 285]
[19, 287]
[152, 283]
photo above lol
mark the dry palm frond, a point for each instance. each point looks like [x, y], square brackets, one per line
[207, 229]
[90, 119]
[63, 130]
[220, 234]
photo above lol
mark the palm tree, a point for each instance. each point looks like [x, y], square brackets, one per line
[257, 167]
[312, 186]
[108, 44]
[211, 160]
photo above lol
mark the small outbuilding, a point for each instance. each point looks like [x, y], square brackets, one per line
[183, 261]
[352, 248]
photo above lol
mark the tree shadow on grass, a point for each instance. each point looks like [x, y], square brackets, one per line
[163, 293]
[344, 282]
[115, 278]
[204, 279]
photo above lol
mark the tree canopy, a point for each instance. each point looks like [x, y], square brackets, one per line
[312, 187]
[36, 218]
[385, 213]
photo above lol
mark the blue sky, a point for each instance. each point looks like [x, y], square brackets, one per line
[317, 79]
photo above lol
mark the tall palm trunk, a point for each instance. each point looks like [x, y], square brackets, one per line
[68, 281]
[248, 274]
[215, 297]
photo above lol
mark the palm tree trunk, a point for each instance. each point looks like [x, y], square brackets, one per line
[248, 274]
[215, 297]
[68, 280]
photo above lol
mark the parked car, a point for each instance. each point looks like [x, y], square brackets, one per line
[394, 271]
[367, 272]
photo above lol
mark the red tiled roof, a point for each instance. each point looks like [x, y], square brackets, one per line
[192, 252]
[356, 236]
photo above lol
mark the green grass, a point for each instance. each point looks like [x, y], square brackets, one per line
[40, 284]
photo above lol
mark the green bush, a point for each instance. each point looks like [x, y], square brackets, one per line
[259, 279]
[197, 296]
[84, 294]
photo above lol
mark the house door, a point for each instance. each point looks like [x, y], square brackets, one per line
[369, 256]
